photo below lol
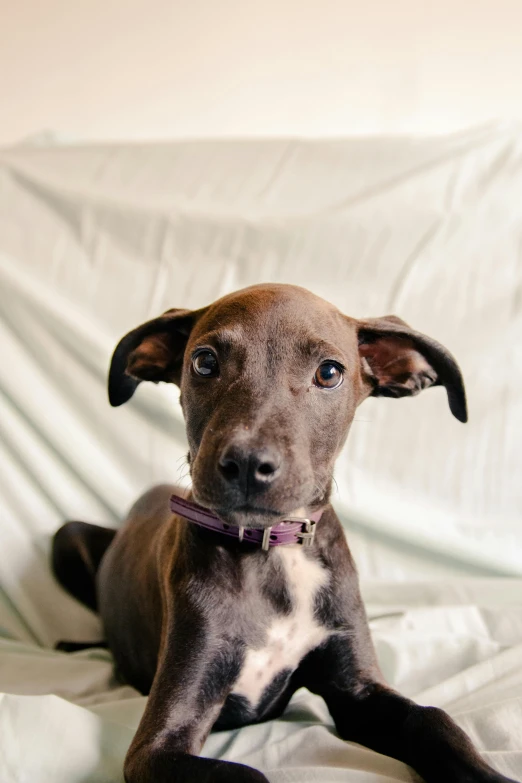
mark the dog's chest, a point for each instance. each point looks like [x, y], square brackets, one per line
[290, 637]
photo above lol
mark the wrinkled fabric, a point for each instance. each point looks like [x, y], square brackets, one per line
[94, 240]
[457, 645]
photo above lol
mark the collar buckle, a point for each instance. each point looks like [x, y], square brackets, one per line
[306, 537]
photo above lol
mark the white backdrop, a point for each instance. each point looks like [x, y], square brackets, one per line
[148, 69]
[94, 239]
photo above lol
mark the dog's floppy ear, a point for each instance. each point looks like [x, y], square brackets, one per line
[397, 362]
[151, 352]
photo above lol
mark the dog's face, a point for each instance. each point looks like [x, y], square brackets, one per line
[270, 379]
[269, 387]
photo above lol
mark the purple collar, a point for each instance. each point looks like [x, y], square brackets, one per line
[294, 530]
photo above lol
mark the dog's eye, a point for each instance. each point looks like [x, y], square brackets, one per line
[205, 364]
[328, 375]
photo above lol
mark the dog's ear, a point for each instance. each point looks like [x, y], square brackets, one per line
[397, 362]
[151, 352]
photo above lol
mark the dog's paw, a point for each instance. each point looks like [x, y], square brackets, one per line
[228, 772]
[481, 776]
[72, 647]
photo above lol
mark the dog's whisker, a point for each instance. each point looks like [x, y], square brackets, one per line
[183, 476]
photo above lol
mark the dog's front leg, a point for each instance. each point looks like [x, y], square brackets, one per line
[367, 711]
[188, 692]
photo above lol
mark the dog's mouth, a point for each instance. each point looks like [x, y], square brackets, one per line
[256, 512]
[250, 516]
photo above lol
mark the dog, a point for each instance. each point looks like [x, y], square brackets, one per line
[222, 604]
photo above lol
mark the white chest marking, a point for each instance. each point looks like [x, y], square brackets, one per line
[291, 637]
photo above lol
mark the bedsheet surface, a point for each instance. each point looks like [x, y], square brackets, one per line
[64, 719]
[95, 239]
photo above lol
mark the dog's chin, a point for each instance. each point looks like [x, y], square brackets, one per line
[254, 515]
[251, 516]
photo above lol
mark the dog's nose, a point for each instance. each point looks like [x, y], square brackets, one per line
[252, 468]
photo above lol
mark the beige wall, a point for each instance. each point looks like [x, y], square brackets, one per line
[139, 69]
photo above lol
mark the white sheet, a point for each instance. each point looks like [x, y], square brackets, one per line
[457, 645]
[94, 240]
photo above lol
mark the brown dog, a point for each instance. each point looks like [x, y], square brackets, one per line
[222, 631]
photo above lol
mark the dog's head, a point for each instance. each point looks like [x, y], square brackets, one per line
[270, 379]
